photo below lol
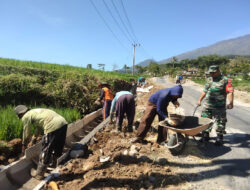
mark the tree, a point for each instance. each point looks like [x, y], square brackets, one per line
[140, 69]
[125, 67]
[89, 66]
[153, 68]
[173, 61]
[101, 66]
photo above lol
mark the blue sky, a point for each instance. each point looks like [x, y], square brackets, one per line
[72, 32]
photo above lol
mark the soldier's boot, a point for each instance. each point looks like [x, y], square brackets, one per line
[130, 128]
[205, 137]
[219, 140]
[39, 172]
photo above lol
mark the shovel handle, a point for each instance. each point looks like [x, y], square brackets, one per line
[195, 109]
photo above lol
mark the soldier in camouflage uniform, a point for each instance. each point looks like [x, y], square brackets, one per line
[215, 93]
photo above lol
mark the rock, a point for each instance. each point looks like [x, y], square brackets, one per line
[151, 178]
[2, 158]
[125, 153]
[133, 153]
[68, 167]
[76, 153]
[147, 172]
[167, 169]
[87, 166]
[143, 158]
[161, 161]
[10, 160]
[104, 158]
[134, 147]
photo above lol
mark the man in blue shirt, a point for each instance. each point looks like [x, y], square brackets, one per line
[123, 103]
[141, 81]
[157, 105]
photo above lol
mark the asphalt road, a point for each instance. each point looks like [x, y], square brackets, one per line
[230, 164]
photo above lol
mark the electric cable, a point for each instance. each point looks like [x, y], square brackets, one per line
[129, 23]
[107, 24]
[110, 12]
[124, 25]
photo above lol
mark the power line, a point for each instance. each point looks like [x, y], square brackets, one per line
[124, 25]
[131, 28]
[110, 12]
[107, 24]
[146, 53]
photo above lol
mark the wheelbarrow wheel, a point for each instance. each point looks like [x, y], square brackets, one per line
[175, 145]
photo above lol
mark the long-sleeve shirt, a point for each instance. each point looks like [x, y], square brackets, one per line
[44, 119]
[117, 96]
[162, 97]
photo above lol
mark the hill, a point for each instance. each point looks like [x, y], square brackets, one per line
[236, 46]
[146, 62]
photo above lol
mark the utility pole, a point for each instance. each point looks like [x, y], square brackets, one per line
[133, 68]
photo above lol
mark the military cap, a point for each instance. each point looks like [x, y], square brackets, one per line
[20, 109]
[213, 68]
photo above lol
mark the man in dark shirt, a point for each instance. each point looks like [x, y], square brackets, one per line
[157, 105]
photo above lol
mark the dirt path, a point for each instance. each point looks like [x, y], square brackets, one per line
[139, 166]
[146, 166]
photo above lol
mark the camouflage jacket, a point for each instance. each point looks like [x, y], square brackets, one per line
[216, 92]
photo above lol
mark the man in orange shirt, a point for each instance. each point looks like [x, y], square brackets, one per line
[107, 96]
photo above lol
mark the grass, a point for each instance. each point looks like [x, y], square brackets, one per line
[37, 83]
[11, 126]
[65, 70]
[243, 85]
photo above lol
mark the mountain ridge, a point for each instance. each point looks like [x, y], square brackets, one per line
[236, 46]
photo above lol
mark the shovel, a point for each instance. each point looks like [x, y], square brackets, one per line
[195, 109]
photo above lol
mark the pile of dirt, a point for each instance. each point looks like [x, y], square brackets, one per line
[10, 151]
[128, 166]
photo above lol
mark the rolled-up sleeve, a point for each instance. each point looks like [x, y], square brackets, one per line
[207, 85]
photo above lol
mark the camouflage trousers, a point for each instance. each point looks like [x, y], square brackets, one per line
[221, 119]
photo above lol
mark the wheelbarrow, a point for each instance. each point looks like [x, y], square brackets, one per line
[186, 126]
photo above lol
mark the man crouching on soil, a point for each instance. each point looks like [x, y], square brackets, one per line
[54, 127]
[157, 105]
